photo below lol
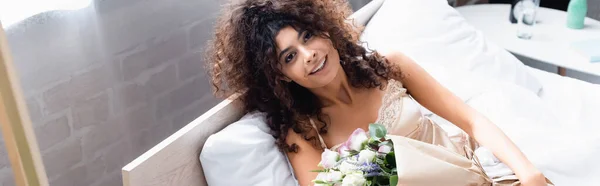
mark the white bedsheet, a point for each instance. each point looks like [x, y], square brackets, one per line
[556, 128]
[575, 102]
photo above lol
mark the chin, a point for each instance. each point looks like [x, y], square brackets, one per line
[331, 76]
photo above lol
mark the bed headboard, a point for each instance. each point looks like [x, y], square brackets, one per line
[174, 161]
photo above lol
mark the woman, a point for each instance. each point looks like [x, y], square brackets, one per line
[299, 61]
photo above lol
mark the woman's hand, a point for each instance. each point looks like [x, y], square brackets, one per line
[436, 98]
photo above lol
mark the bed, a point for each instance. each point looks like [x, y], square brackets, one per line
[174, 161]
[576, 101]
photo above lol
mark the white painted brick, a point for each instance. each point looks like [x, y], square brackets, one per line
[61, 158]
[191, 66]
[201, 32]
[79, 55]
[50, 51]
[7, 177]
[182, 97]
[101, 136]
[140, 141]
[53, 132]
[194, 111]
[158, 52]
[125, 24]
[35, 111]
[139, 118]
[161, 81]
[78, 88]
[117, 155]
[112, 179]
[4, 161]
[95, 169]
[160, 131]
[76, 176]
[134, 93]
[91, 112]
[129, 95]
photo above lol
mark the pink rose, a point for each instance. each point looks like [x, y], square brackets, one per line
[385, 149]
[343, 150]
[357, 139]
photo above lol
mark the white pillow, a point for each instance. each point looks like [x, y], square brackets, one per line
[431, 31]
[244, 153]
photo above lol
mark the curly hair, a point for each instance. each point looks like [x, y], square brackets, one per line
[241, 59]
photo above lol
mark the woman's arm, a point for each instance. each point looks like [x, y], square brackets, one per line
[433, 96]
[306, 159]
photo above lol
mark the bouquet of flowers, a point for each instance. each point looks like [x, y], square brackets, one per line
[364, 159]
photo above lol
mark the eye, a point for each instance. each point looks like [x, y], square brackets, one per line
[307, 36]
[290, 57]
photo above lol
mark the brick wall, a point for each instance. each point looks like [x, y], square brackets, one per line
[105, 83]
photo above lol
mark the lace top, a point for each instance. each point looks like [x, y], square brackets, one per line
[401, 115]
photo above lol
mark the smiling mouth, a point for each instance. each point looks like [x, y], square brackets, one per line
[320, 67]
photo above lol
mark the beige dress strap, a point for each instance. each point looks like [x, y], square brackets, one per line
[323, 145]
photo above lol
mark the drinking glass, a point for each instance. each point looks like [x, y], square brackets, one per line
[526, 13]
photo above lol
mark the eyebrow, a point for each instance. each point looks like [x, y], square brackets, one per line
[288, 48]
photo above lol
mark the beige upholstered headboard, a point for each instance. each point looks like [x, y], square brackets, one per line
[174, 161]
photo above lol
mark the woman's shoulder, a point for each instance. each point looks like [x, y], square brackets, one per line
[300, 140]
[392, 55]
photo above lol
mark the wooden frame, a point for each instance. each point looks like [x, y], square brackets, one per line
[19, 137]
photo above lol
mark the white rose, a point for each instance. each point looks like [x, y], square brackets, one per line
[354, 179]
[385, 149]
[321, 176]
[330, 177]
[346, 167]
[366, 156]
[334, 176]
[358, 137]
[329, 159]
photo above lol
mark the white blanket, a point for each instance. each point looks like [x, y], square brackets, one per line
[566, 155]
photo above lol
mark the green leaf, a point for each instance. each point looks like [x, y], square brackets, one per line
[390, 158]
[382, 180]
[373, 145]
[320, 182]
[353, 152]
[379, 161]
[377, 131]
[394, 180]
[319, 170]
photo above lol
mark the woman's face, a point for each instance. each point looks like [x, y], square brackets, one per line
[309, 60]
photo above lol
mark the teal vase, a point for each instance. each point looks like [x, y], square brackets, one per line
[576, 13]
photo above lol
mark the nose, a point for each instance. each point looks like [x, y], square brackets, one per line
[309, 55]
